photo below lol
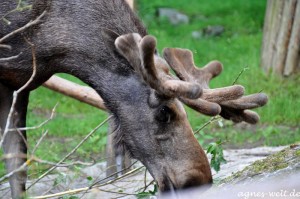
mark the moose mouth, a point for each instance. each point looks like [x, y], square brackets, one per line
[167, 184]
[184, 182]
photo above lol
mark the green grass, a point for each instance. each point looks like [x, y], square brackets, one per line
[73, 120]
[239, 47]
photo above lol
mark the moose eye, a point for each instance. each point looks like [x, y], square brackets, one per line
[164, 114]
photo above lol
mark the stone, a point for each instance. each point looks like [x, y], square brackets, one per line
[173, 16]
[213, 31]
[95, 171]
[197, 34]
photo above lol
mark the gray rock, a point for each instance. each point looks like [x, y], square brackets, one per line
[197, 34]
[173, 16]
[95, 171]
[213, 31]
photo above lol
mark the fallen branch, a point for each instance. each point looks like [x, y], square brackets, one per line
[82, 93]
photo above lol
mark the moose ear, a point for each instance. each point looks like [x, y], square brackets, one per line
[109, 38]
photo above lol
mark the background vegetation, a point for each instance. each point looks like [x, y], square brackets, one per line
[237, 48]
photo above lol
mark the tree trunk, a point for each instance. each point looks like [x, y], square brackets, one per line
[281, 39]
[118, 162]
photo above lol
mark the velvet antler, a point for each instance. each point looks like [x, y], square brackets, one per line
[229, 101]
[140, 53]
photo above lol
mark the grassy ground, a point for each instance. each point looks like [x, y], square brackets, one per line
[238, 48]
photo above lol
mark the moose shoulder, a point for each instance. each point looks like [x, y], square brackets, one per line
[105, 45]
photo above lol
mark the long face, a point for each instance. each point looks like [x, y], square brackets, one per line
[155, 128]
[162, 139]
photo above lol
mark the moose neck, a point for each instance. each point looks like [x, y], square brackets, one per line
[119, 88]
[122, 92]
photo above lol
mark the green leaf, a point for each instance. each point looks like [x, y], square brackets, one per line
[147, 194]
[216, 150]
[89, 178]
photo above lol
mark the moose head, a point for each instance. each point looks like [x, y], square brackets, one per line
[154, 127]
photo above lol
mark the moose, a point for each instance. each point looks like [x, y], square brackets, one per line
[105, 45]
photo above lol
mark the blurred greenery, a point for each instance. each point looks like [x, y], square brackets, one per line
[237, 48]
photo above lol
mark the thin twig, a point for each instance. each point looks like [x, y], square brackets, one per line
[41, 124]
[38, 160]
[69, 154]
[213, 119]
[10, 58]
[8, 47]
[145, 180]
[76, 191]
[39, 142]
[239, 75]
[29, 24]
[32, 158]
[35, 159]
[120, 177]
[23, 138]
[21, 168]
[149, 184]
[108, 177]
[15, 95]
[115, 192]
[112, 175]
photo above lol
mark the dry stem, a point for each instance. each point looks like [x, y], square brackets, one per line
[69, 154]
[76, 191]
[29, 24]
[41, 124]
[15, 95]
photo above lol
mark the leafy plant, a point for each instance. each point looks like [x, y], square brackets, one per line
[148, 194]
[216, 150]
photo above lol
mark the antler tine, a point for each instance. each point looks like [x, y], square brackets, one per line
[236, 110]
[127, 46]
[233, 105]
[140, 53]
